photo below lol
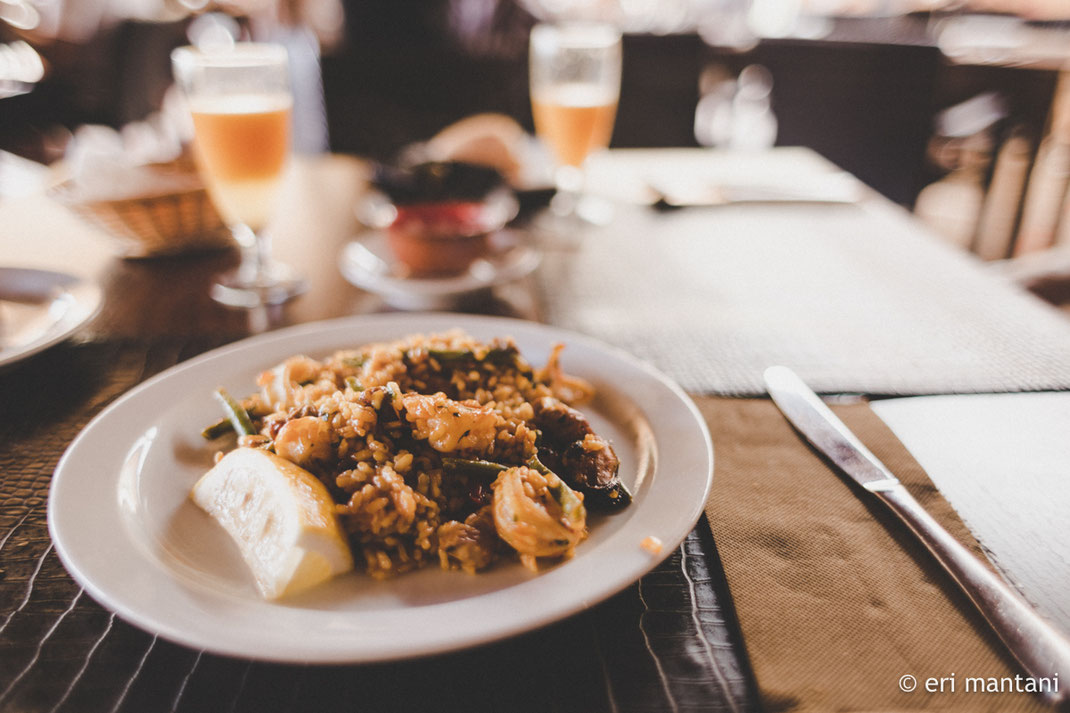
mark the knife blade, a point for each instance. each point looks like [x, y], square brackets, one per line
[1042, 651]
[815, 420]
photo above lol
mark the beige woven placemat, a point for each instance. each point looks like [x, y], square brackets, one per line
[853, 297]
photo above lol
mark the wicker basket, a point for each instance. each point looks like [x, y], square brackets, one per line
[176, 217]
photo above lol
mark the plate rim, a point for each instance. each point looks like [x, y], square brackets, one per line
[86, 306]
[144, 618]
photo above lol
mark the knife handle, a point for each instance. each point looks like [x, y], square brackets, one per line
[1041, 650]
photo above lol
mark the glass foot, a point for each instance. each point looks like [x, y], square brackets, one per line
[582, 209]
[595, 210]
[273, 285]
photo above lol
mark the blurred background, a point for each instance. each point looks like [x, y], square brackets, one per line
[959, 111]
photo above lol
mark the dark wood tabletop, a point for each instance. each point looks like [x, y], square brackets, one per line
[669, 642]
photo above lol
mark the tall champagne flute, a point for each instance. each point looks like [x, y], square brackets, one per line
[574, 70]
[241, 102]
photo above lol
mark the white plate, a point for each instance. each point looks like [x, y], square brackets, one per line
[369, 264]
[39, 308]
[123, 526]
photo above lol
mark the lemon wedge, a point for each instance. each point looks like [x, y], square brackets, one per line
[281, 517]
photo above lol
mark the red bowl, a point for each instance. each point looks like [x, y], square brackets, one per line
[441, 237]
[438, 238]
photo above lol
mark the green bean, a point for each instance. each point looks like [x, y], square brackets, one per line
[480, 468]
[391, 400]
[537, 465]
[216, 430]
[497, 355]
[236, 414]
[223, 426]
[451, 354]
[571, 503]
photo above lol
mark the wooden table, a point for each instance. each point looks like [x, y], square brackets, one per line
[669, 642]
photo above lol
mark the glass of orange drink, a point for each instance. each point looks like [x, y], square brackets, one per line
[240, 99]
[574, 70]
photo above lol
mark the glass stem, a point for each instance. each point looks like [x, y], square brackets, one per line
[255, 252]
[262, 254]
[569, 181]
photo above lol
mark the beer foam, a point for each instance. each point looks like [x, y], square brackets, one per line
[241, 103]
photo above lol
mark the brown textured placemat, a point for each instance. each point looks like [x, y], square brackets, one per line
[835, 598]
[853, 298]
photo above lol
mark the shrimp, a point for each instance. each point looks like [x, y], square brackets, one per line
[278, 386]
[537, 514]
[572, 390]
[304, 440]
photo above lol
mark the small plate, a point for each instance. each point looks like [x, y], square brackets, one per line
[122, 522]
[369, 264]
[39, 308]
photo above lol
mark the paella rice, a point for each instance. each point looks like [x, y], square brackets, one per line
[438, 449]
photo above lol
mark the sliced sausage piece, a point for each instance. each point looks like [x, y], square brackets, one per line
[582, 458]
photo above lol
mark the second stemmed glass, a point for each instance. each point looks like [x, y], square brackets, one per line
[574, 70]
[241, 102]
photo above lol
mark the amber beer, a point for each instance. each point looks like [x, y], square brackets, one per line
[574, 76]
[240, 101]
[575, 119]
[241, 144]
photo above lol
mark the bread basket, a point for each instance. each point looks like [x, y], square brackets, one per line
[148, 211]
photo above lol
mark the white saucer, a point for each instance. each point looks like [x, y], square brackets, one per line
[369, 264]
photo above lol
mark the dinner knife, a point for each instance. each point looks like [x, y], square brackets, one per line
[1041, 650]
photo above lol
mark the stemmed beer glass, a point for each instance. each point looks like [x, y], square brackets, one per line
[241, 102]
[574, 70]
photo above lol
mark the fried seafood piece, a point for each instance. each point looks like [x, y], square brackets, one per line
[537, 514]
[472, 544]
[449, 425]
[279, 386]
[570, 389]
[571, 448]
[304, 440]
